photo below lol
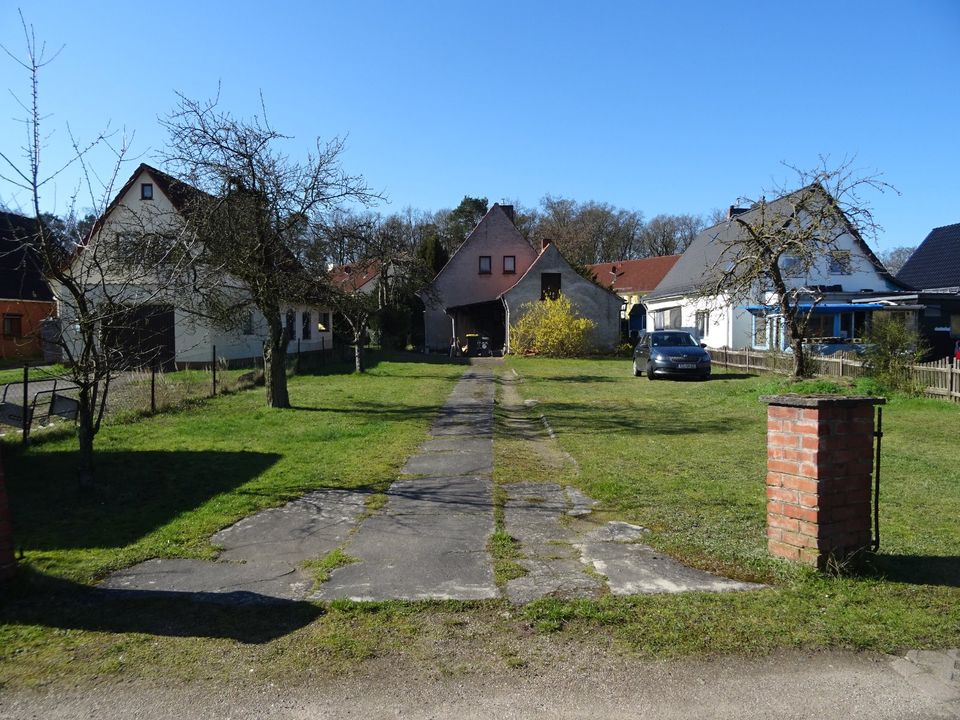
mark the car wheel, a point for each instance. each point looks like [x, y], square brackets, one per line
[650, 374]
[636, 370]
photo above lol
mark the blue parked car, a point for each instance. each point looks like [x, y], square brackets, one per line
[670, 353]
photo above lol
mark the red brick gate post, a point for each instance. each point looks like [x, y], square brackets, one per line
[8, 563]
[819, 472]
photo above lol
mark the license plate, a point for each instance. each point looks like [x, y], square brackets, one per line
[687, 366]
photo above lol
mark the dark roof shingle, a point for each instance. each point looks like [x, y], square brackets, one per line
[21, 275]
[936, 263]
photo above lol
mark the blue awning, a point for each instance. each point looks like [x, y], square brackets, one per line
[821, 309]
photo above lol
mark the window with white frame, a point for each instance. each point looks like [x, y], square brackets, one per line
[306, 329]
[703, 323]
[291, 322]
[791, 266]
[674, 318]
[840, 262]
[759, 331]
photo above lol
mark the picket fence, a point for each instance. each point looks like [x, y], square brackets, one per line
[940, 378]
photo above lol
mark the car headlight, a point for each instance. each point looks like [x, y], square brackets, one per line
[658, 357]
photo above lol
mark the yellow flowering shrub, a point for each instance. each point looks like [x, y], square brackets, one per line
[551, 328]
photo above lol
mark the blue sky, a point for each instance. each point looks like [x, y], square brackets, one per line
[660, 107]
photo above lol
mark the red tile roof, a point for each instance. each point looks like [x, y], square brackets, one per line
[634, 275]
[353, 277]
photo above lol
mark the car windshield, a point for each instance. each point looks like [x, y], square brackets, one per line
[674, 339]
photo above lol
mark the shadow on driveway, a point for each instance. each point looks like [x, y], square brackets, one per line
[37, 599]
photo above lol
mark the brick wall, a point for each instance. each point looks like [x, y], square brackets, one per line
[7, 560]
[819, 476]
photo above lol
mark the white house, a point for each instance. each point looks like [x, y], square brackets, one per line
[849, 271]
[168, 324]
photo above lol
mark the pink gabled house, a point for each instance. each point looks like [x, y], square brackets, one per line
[493, 274]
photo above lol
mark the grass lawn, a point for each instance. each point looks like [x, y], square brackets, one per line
[166, 483]
[687, 460]
[44, 372]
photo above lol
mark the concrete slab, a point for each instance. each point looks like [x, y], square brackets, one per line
[556, 578]
[632, 568]
[429, 540]
[476, 462]
[311, 526]
[261, 552]
[273, 580]
[534, 515]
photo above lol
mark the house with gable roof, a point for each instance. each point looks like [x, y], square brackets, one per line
[170, 331]
[933, 301]
[632, 280]
[25, 297]
[483, 287]
[850, 272]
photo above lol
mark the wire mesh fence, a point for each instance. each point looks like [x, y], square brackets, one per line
[35, 399]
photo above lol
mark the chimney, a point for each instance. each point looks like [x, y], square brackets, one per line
[544, 243]
[508, 209]
[734, 211]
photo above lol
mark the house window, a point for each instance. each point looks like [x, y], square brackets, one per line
[509, 264]
[549, 286]
[291, 325]
[247, 323]
[955, 326]
[13, 326]
[791, 266]
[324, 322]
[485, 265]
[820, 326]
[306, 330]
[146, 191]
[675, 318]
[759, 332]
[129, 247]
[703, 322]
[840, 262]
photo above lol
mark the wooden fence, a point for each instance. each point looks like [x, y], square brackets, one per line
[939, 379]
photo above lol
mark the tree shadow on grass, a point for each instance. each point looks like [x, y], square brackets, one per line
[136, 492]
[916, 569]
[673, 420]
[37, 599]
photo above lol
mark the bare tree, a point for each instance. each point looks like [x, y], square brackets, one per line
[895, 258]
[379, 283]
[767, 251]
[102, 280]
[256, 213]
[668, 234]
[589, 232]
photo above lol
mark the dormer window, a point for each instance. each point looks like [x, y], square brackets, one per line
[146, 191]
[840, 262]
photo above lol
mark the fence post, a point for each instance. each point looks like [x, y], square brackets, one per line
[25, 420]
[841, 364]
[153, 389]
[748, 359]
[214, 366]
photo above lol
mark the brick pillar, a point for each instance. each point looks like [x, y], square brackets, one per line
[819, 476]
[7, 561]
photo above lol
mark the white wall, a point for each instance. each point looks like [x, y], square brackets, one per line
[728, 325]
